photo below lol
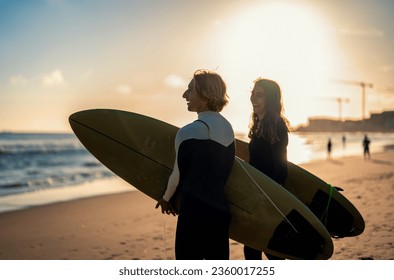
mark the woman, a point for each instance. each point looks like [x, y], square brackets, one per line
[205, 152]
[268, 139]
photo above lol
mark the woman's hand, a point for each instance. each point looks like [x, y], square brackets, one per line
[166, 207]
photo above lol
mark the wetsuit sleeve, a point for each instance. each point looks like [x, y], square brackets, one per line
[172, 182]
[195, 130]
[280, 156]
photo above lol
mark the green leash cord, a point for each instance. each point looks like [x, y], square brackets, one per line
[325, 213]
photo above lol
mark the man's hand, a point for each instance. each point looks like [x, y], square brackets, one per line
[166, 207]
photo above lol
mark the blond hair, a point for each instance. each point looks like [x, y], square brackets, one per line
[211, 87]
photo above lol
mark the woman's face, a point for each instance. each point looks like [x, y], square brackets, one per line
[258, 100]
[194, 102]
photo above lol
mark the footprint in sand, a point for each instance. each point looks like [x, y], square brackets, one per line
[36, 246]
[113, 256]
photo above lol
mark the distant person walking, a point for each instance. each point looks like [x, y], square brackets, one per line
[329, 148]
[366, 143]
[344, 141]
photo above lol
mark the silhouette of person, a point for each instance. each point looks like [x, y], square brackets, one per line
[205, 153]
[268, 140]
[329, 148]
[344, 141]
[366, 143]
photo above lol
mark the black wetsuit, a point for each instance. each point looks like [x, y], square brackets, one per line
[205, 155]
[271, 159]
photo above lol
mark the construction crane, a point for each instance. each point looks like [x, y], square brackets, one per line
[363, 86]
[340, 101]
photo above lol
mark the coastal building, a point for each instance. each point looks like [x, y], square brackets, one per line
[378, 122]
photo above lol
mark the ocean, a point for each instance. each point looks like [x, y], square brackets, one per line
[34, 162]
[30, 162]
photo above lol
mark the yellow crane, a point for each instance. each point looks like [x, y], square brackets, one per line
[340, 101]
[363, 86]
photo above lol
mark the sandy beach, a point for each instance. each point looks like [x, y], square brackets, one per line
[127, 226]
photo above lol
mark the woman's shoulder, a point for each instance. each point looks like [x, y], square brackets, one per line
[282, 126]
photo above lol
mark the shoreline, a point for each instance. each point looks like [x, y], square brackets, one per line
[21, 201]
[126, 226]
[107, 186]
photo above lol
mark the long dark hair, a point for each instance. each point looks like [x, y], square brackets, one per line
[267, 128]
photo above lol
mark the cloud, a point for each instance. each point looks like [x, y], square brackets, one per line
[370, 32]
[18, 80]
[124, 89]
[54, 79]
[175, 81]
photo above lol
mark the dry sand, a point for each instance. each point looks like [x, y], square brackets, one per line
[127, 226]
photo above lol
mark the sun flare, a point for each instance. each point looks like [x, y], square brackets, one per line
[287, 42]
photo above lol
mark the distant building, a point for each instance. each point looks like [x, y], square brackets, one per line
[378, 122]
[383, 120]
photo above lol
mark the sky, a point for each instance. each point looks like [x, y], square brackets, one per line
[62, 56]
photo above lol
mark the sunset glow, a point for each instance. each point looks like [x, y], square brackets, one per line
[62, 56]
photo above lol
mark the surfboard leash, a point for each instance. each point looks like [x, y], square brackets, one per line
[164, 236]
[269, 199]
[325, 213]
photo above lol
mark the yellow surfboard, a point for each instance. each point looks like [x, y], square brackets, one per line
[336, 212]
[265, 216]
